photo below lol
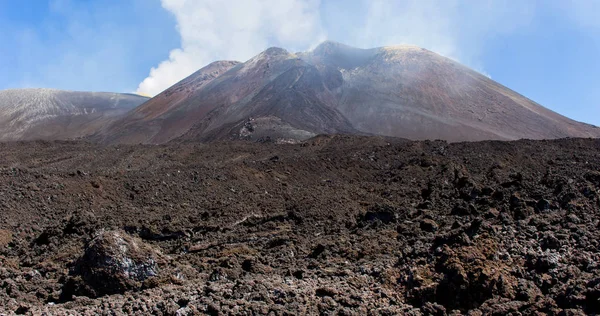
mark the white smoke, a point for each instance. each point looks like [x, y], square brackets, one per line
[238, 29]
[213, 30]
[454, 28]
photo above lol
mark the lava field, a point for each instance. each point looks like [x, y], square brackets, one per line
[335, 225]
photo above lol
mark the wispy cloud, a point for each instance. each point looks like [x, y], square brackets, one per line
[114, 44]
[453, 28]
[236, 29]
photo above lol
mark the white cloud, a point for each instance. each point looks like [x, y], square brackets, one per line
[238, 29]
[235, 30]
[423, 23]
[454, 28]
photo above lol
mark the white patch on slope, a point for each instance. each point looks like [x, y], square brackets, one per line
[22, 108]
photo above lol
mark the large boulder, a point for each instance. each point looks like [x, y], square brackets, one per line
[114, 262]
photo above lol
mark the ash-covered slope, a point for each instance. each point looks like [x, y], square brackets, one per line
[170, 113]
[47, 114]
[400, 91]
[411, 92]
[275, 94]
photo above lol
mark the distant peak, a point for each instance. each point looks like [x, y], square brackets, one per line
[275, 51]
[329, 45]
[401, 47]
[33, 90]
[224, 63]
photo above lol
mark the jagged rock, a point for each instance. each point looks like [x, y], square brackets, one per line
[80, 223]
[115, 262]
[5, 237]
[429, 225]
[547, 261]
[550, 242]
[322, 292]
[253, 266]
[527, 291]
[383, 214]
[543, 205]
[592, 295]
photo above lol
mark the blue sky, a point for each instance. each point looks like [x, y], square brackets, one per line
[106, 45]
[547, 50]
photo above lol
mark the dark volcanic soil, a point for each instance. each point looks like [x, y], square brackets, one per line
[336, 225]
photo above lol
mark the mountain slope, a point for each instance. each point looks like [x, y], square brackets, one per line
[401, 91]
[47, 114]
[281, 97]
[285, 93]
[166, 115]
[412, 92]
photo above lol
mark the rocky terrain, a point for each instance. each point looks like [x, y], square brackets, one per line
[334, 225]
[400, 91]
[48, 114]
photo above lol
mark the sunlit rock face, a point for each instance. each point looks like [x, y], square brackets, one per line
[400, 91]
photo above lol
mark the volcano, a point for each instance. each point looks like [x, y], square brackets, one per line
[399, 91]
[47, 114]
